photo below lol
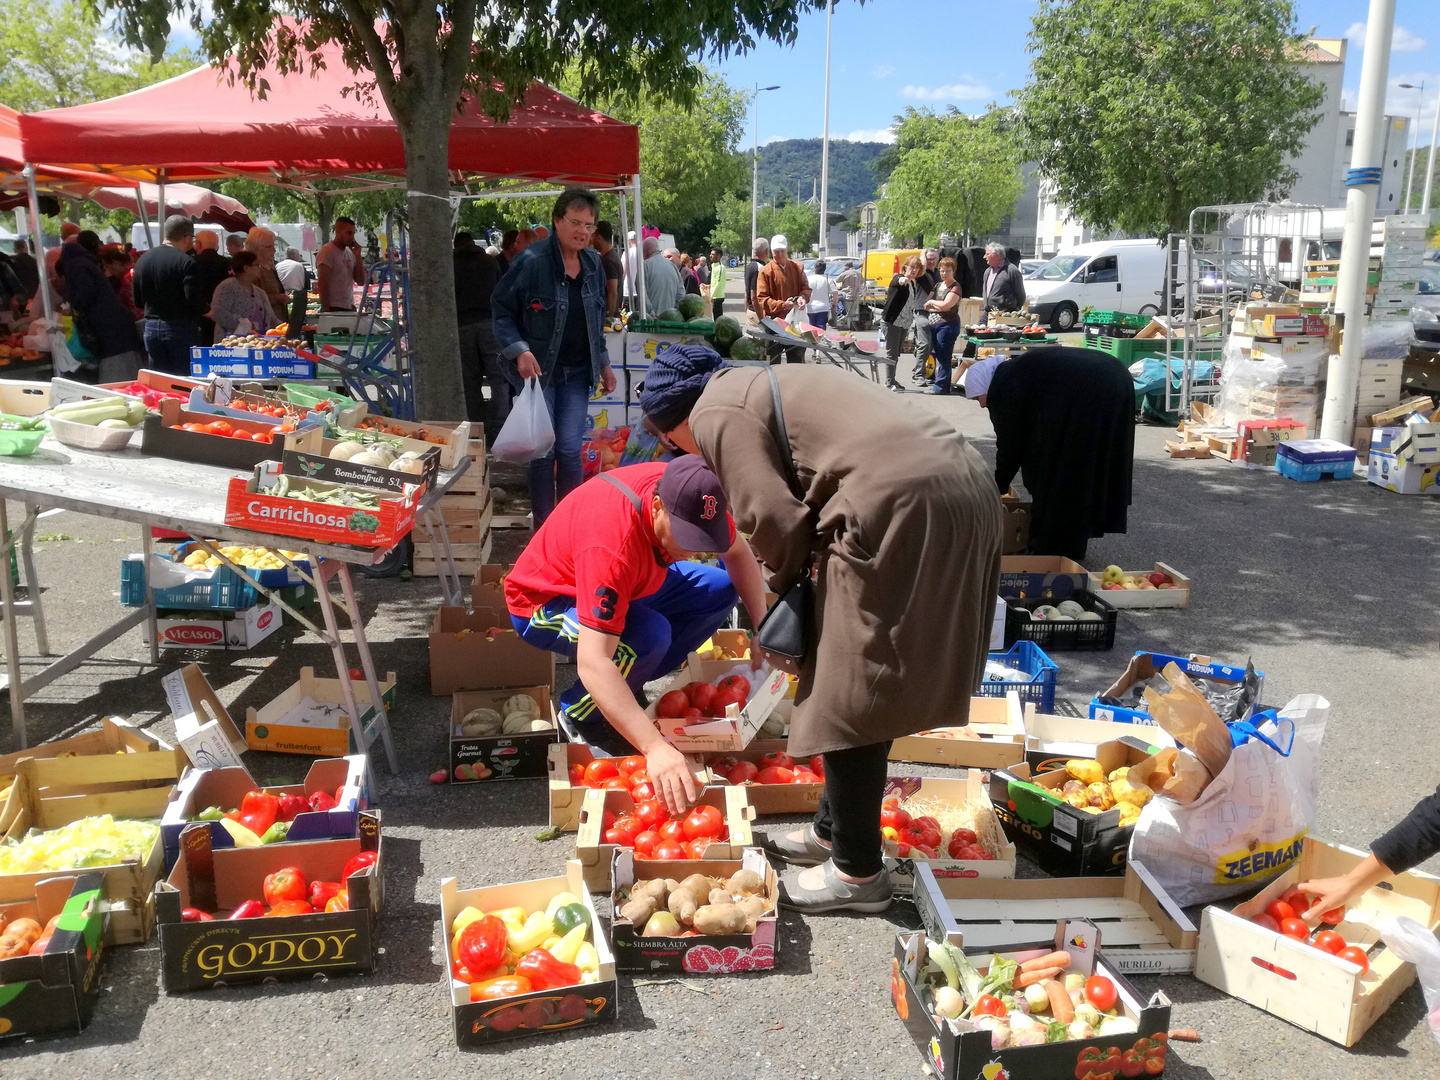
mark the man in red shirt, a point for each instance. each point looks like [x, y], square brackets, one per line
[607, 580]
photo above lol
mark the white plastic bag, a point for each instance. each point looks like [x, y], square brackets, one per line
[1414, 944]
[1248, 824]
[527, 433]
[61, 360]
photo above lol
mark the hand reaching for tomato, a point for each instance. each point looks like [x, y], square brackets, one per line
[671, 777]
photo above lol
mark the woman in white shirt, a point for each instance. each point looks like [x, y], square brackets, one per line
[822, 297]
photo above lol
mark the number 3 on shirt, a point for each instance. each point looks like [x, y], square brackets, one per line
[604, 611]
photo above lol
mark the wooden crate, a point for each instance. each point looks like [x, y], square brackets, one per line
[1179, 596]
[468, 558]
[1299, 983]
[115, 736]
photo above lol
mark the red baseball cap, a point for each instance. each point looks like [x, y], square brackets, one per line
[699, 512]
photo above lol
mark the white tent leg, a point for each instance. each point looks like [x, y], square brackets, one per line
[34, 203]
[627, 263]
[639, 251]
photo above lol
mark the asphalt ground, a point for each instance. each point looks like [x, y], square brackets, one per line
[1329, 587]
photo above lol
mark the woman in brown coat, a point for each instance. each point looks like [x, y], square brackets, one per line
[900, 518]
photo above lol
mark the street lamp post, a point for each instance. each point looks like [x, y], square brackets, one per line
[825, 145]
[755, 169]
[1410, 172]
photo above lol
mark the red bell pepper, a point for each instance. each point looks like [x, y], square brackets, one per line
[191, 914]
[292, 806]
[481, 947]
[258, 811]
[250, 909]
[321, 801]
[321, 892]
[545, 972]
[357, 863]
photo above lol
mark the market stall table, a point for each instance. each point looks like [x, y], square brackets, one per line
[127, 485]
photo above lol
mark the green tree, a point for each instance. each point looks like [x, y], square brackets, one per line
[418, 57]
[318, 206]
[952, 174]
[799, 222]
[1140, 110]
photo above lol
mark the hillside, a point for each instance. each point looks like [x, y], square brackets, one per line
[851, 179]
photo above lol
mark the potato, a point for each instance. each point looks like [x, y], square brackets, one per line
[720, 919]
[639, 910]
[1086, 770]
[654, 887]
[754, 908]
[745, 882]
[699, 884]
[720, 896]
[692, 894]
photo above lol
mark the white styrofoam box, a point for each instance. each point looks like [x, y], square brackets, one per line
[615, 349]
[1401, 273]
[997, 626]
[1390, 315]
[1392, 303]
[1379, 368]
[1403, 246]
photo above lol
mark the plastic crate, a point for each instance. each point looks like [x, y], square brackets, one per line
[1127, 350]
[224, 590]
[1061, 636]
[1099, 330]
[1117, 318]
[1028, 657]
[312, 396]
[698, 328]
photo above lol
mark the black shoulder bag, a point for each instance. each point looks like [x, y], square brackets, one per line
[784, 633]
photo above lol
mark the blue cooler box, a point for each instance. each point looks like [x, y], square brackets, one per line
[1314, 459]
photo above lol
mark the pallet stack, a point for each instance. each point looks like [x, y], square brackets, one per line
[467, 511]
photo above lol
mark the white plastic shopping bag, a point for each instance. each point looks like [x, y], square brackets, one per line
[527, 433]
[1414, 944]
[1248, 824]
[61, 360]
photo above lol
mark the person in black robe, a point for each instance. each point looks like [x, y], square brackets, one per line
[1065, 419]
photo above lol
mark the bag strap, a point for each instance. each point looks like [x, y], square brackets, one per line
[1243, 730]
[625, 490]
[783, 438]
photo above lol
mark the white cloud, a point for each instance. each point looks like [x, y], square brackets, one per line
[882, 71]
[966, 91]
[1402, 40]
[884, 135]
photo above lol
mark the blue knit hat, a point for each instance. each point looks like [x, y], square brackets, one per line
[675, 380]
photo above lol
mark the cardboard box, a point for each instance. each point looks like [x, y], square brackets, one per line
[640, 349]
[487, 592]
[1145, 932]
[309, 717]
[1050, 741]
[480, 1023]
[1048, 576]
[740, 726]
[521, 756]
[161, 436]
[479, 652]
[1016, 524]
[1144, 666]
[566, 798]
[1299, 983]
[769, 798]
[1293, 326]
[237, 363]
[1066, 841]
[596, 856]
[307, 454]
[968, 788]
[226, 788]
[456, 437]
[230, 952]
[1402, 477]
[54, 993]
[251, 504]
[957, 1050]
[133, 786]
[999, 723]
[1178, 597]
[207, 735]
[240, 630]
[708, 954]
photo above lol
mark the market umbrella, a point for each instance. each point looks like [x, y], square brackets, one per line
[208, 206]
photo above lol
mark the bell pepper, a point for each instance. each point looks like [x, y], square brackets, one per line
[570, 944]
[570, 916]
[287, 883]
[250, 909]
[357, 863]
[210, 813]
[512, 917]
[321, 892]
[339, 902]
[191, 914]
[545, 972]
[258, 811]
[537, 928]
[275, 833]
[587, 959]
[503, 987]
[467, 916]
[559, 900]
[292, 806]
[481, 944]
[322, 801]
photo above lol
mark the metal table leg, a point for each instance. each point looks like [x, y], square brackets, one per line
[32, 579]
[445, 568]
[152, 623]
[12, 638]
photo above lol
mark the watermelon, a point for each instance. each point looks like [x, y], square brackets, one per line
[702, 325]
[692, 306]
[746, 348]
[670, 315]
[727, 330]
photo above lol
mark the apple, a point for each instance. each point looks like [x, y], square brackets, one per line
[1130, 585]
[1109, 586]
[1157, 579]
[1113, 573]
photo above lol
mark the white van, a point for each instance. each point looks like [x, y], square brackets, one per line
[1108, 275]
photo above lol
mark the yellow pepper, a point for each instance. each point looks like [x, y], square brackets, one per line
[512, 917]
[464, 919]
[570, 944]
[586, 958]
[550, 944]
[537, 928]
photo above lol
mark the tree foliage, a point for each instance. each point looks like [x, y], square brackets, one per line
[852, 178]
[366, 208]
[800, 222]
[952, 174]
[1140, 110]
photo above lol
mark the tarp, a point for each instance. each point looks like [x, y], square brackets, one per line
[197, 126]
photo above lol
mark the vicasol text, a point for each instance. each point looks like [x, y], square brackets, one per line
[300, 953]
[1265, 861]
[297, 513]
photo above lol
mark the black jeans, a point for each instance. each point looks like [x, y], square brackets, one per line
[849, 813]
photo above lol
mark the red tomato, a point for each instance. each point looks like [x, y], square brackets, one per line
[629, 827]
[990, 1005]
[652, 813]
[775, 774]
[639, 776]
[221, 427]
[284, 884]
[805, 776]
[925, 851]
[615, 783]
[633, 763]
[735, 682]
[1269, 922]
[672, 705]
[1279, 910]
[1100, 992]
[642, 792]
[743, 772]
[697, 847]
[1295, 898]
[260, 436]
[669, 849]
[1329, 941]
[778, 758]
[917, 832]
[703, 698]
[674, 829]
[692, 714]
[291, 907]
[577, 775]
[607, 820]
[645, 842]
[1335, 916]
[1295, 928]
[960, 838]
[600, 770]
[892, 817]
[725, 698]
[817, 765]
[1355, 955]
[612, 836]
[704, 821]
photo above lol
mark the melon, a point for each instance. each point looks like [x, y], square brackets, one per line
[670, 315]
[727, 330]
[746, 348]
[692, 306]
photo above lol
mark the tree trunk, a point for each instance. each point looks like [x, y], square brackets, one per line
[324, 215]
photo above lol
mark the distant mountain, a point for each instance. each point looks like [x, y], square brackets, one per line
[791, 162]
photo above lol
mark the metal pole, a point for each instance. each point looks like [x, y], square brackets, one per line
[1430, 167]
[639, 251]
[1362, 187]
[160, 206]
[1410, 176]
[825, 145]
[755, 174]
[33, 201]
[144, 218]
[627, 260]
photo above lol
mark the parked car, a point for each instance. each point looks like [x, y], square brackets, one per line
[1029, 266]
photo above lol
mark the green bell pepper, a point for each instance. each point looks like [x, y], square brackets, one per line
[210, 813]
[570, 916]
[275, 833]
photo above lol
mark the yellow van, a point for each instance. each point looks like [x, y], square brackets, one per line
[881, 266]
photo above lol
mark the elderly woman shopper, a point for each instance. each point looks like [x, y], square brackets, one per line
[895, 316]
[906, 562]
[548, 313]
[241, 297]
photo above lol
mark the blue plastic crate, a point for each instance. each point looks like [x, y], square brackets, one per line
[1028, 657]
[225, 590]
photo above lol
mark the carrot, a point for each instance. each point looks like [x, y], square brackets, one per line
[1061, 1007]
[1025, 978]
[1055, 959]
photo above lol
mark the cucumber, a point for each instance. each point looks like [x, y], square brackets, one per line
[95, 410]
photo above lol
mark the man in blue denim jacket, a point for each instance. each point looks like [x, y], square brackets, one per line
[548, 313]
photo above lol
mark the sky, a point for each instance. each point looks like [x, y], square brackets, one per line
[887, 54]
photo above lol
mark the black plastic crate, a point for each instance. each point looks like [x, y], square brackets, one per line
[1061, 636]
[1095, 331]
